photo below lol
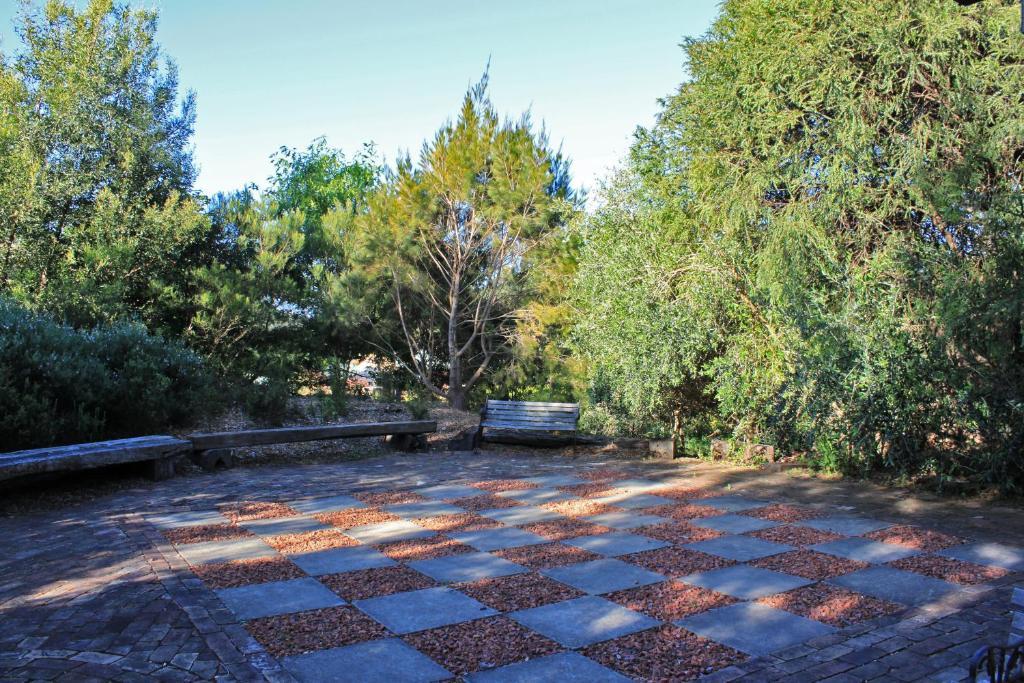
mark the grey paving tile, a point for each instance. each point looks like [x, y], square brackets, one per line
[864, 550]
[175, 520]
[603, 576]
[745, 582]
[733, 524]
[564, 667]
[427, 608]
[466, 567]
[616, 543]
[582, 621]
[525, 514]
[388, 532]
[988, 554]
[312, 506]
[497, 539]
[636, 485]
[847, 526]
[338, 560]
[225, 551]
[553, 480]
[731, 503]
[447, 491]
[895, 585]
[754, 628]
[739, 548]
[278, 597]
[283, 525]
[536, 496]
[428, 508]
[376, 661]
[625, 520]
[633, 500]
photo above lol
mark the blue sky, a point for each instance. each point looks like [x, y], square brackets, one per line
[272, 73]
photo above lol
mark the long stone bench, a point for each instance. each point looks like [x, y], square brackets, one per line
[158, 452]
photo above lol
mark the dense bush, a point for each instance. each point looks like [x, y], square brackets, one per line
[59, 385]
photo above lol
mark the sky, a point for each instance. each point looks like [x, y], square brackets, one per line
[279, 73]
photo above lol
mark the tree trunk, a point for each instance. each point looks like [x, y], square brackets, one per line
[456, 397]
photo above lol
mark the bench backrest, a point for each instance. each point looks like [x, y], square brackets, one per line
[531, 415]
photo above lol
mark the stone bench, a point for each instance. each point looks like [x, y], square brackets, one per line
[158, 452]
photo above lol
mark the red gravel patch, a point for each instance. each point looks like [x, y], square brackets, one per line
[481, 644]
[496, 485]
[780, 512]
[520, 591]
[603, 474]
[388, 497]
[247, 511]
[684, 511]
[319, 629]
[831, 605]
[948, 569]
[915, 537]
[668, 653]
[424, 548]
[579, 508]
[247, 572]
[485, 502]
[348, 519]
[688, 493]
[586, 490]
[680, 533]
[809, 564]
[670, 600]
[561, 529]
[799, 536]
[675, 561]
[324, 539]
[372, 583]
[546, 555]
[462, 522]
[207, 532]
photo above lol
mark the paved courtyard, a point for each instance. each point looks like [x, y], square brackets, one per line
[492, 569]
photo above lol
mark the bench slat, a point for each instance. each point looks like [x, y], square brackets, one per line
[262, 437]
[89, 455]
[532, 404]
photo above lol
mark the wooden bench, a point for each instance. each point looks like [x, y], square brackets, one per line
[158, 452]
[214, 449]
[514, 418]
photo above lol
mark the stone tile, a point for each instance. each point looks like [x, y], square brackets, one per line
[753, 628]
[283, 525]
[314, 506]
[553, 480]
[447, 491]
[731, 503]
[988, 554]
[603, 576]
[429, 508]
[225, 551]
[338, 560]
[745, 582]
[388, 532]
[636, 485]
[278, 597]
[466, 567]
[583, 621]
[895, 585]
[376, 661]
[856, 548]
[428, 608]
[847, 526]
[536, 496]
[733, 524]
[739, 548]
[616, 543]
[633, 500]
[175, 520]
[564, 667]
[625, 520]
[497, 539]
[517, 516]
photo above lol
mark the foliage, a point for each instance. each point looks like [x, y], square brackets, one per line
[59, 385]
[821, 238]
[334, 403]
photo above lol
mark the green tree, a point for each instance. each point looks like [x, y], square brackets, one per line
[451, 237]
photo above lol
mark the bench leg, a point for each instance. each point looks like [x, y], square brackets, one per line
[162, 468]
[214, 459]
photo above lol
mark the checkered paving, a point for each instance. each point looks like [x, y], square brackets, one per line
[624, 578]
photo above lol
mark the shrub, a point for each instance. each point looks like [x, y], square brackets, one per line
[59, 385]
